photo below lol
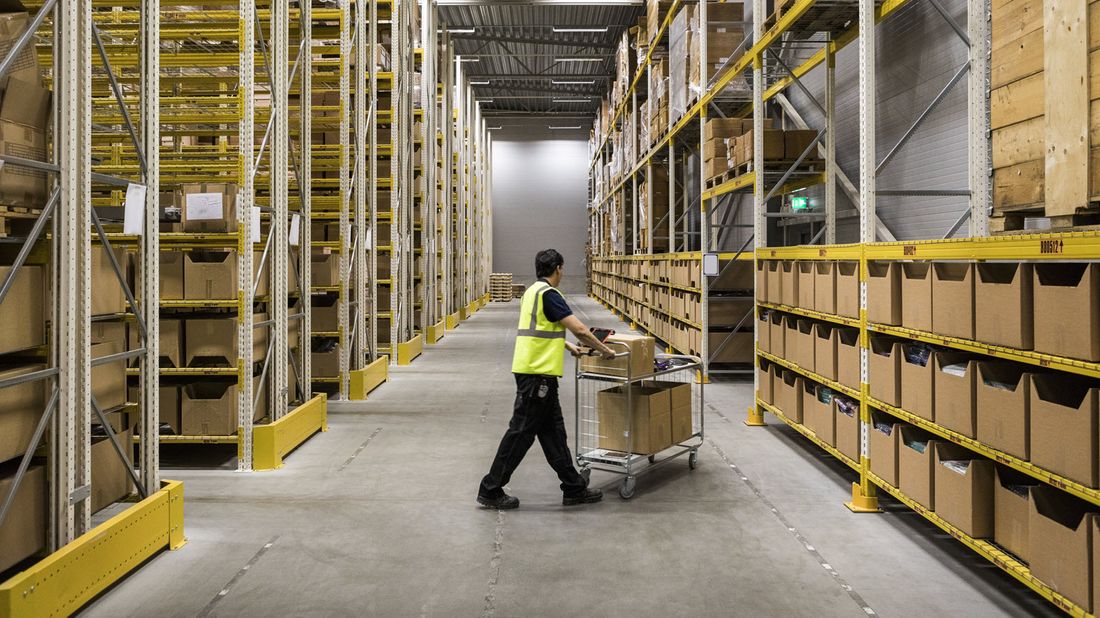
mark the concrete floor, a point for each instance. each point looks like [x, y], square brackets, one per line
[377, 517]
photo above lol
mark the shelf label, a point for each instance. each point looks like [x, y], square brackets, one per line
[909, 250]
[1051, 247]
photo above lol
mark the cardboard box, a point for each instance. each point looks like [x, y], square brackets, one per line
[23, 406]
[1064, 426]
[109, 381]
[847, 289]
[775, 281]
[847, 357]
[1060, 528]
[679, 406]
[790, 281]
[818, 412]
[171, 275]
[1004, 298]
[1003, 403]
[953, 299]
[210, 275]
[788, 393]
[13, 21]
[774, 144]
[209, 409]
[213, 342]
[326, 314]
[918, 383]
[964, 497]
[110, 479]
[644, 428]
[955, 396]
[884, 293]
[23, 311]
[24, 114]
[793, 339]
[796, 141]
[1067, 294]
[916, 295]
[761, 281]
[326, 362]
[825, 349]
[915, 465]
[883, 446]
[23, 532]
[638, 364]
[884, 369]
[807, 274]
[107, 294]
[847, 426]
[763, 330]
[777, 334]
[209, 207]
[806, 344]
[825, 287]
[764, 389]
[1011, 511]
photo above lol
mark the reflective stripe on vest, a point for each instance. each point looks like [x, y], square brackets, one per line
[540, 343]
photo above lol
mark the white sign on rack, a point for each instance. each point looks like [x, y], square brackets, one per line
[295, 230]
[204, 206]
[710, 265]
[254, 237]
[134, 211]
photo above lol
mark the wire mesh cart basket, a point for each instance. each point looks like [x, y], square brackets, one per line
[629, 422]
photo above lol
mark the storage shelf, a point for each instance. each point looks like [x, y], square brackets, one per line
[808, 433]
[816, 377]
[808, 313]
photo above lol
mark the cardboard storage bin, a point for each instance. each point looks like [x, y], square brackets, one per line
[1068, 294]
[763, 330]
[209, 207]
[764, 374]
[825, 287]
[23, 311]
[847, 289]
[818, 412]
[953, 299]
[1064, 426]
[326, 314]
[964, 489]
[1011, 507]
[210, 275]
[955, 394]
[847, 357]
[916, 295]
[805, 334]
[777, 333]
[679, 407]
[209, 409]
[325, 271]
[643, 428]
[884, 369]
[792, 340]
[806, 281]
[884, 293]
[788, 393]
[110, 478]
[23, 532]
[108, 381]
[171, 275]
[825, 337]
[918, 395]
[107, 294]
[1002, 393]
[638, 364]
[915, 465]
[762, 281]
[775, 281]
[213, 343]
[790, 282]
[1060, 527]
[847, 426]
[883, 446]
[1003, 299]
[22, 406]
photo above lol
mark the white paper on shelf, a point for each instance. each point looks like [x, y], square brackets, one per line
[367, 240]
[134, 211]
[204, 206]
[254, 237]
[295, 238]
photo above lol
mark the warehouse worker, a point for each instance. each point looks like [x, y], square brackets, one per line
[537, 363]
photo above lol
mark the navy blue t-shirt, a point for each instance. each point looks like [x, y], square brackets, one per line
[554, 306]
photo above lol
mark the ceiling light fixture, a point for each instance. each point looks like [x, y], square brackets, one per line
[553, 128]
[578, 59]
[495, 128]
[469, 59]
[461, 31]
[579, 82]
[483, 82]
[578, 29]
[571, 100]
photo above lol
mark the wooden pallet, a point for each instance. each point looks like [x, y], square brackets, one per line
[17, 220]
[1014, 222]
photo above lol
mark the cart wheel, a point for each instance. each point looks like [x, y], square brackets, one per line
[626, 489]
[586, 472]
[693, 460]
[652, 458]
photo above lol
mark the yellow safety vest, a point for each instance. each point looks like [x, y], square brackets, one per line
[540, 343]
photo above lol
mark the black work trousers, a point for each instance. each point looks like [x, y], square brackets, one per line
[534, 417]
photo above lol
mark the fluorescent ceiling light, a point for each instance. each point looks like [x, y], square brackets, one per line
[480, 83]
[579, 82]
[469, 59]
[577, 59]
[495, 128]
[484, 100]
[571, 100]
[461, 31]
[573, 29]
[565, 128]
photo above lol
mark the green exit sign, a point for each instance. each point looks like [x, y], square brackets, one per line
[800, 203]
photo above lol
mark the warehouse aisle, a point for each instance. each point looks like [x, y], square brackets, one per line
[378, 517]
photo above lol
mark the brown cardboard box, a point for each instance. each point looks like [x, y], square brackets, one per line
[1064, 426]
[806, 344]
[761, 281]
[23, 532]
[774, 145]
[777, 334]
[915, 465]
[326, 314]
[209, 207]
[170, 407]
[883, 446]
[209, 409]
[717, 129]
[1068, 294]
[13, 22]
[819, 416]
[763, 330]
[210, 275]
[964, 498]
[640, 362]
[213, 342]
[171, 275]
[107, 294]
[325, 268]
[23, 311]
[884, 369]
[645, 429]
[775, 282]
[1060, 528]
[825, 348]
[326, 363]
[764, 388]
[679, 405]
[1004, 412]
[953, 299]
[793, 341]
[788, 393]
[884, 293]
[796, 141]
[791, 280]
[1011, 506]
[171, 338]
[22, 407]
[24, 113]
[916, 295]
[110, 479]
[714, 149]
[918, 394]
[109, 380]
[806, 277]
[847, 357]
[955, 396]
[825, 287]
[847, 289]
[847, 426]
[1003, 296]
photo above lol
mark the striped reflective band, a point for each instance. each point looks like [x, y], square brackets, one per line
[541, 334]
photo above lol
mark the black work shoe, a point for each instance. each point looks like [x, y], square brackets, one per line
[503, 503]
[588, 497]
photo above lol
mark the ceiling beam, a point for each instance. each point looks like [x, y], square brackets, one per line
[532, 41]
[589, 3]
[538, 77]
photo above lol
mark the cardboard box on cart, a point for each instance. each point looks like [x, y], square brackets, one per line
[643, 426]
[639, 363]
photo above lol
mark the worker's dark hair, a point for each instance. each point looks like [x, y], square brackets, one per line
[546, 262]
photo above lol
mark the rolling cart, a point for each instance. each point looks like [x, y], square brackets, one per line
[610, 445]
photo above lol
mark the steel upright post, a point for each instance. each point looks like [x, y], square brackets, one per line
[344, 300]
[305, 184]
[149, 453]
[280, 209]
[363, 277]
[245, 202]
[978, 142]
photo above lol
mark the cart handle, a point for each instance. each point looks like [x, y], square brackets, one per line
[626, 352]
